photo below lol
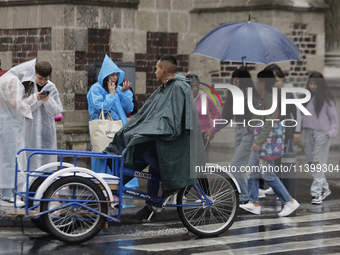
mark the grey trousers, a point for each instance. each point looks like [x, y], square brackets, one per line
[244, 139]
[317, 149]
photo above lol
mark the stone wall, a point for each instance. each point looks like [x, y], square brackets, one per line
[75, 37]
[158, 44]
[332, 27]
[98, 45]
[66, 35]
[24, 44]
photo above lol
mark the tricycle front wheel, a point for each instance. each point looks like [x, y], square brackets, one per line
[213, 219]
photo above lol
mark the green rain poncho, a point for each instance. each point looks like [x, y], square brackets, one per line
[169, 118]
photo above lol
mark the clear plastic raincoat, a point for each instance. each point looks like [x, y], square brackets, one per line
[40, 132]
[14, 108]
[118, 105]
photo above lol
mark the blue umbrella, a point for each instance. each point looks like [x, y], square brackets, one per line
[248, 42]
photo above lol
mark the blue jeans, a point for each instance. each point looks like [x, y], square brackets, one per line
[269, 176]
[244, 139]
[150, 157]
[317, 149]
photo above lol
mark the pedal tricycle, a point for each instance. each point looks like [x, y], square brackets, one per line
[73, 203]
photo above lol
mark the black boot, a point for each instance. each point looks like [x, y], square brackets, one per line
[142, 214]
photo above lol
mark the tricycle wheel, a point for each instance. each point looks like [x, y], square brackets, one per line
[74, 223]
[33, 188]
[213, 219]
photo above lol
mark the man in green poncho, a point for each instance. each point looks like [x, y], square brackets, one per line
[166, 132]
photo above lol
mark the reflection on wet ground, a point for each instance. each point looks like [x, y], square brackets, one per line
[311, 231]
[314, 230]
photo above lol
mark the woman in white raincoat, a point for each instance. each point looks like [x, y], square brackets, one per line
[16, 99]
[40, 132]
[117, 100]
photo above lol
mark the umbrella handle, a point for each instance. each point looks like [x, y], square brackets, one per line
[242, 60]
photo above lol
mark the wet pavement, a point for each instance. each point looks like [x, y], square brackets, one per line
[303, 178]
[315, 229]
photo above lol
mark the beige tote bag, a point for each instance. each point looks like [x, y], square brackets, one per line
[102, 131]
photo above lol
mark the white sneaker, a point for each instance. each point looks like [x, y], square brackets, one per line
[269, 191]
[262, 193]
[19, 202]
[326, 194]
[6, 203]
[289, 208]
[250, 207]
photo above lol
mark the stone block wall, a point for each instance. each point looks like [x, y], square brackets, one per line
[75, 38]
[332, 27]
[307, 43]
[24, 44]
[98, 46]
[158, 44]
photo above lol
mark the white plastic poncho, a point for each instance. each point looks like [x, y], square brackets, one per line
[40, 132]
[14, 108]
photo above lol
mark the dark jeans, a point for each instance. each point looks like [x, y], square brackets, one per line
[150, 157]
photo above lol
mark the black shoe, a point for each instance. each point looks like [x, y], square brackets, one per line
[317, 200]
[142, 214]
[169, 193]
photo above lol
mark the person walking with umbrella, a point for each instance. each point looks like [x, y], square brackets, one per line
[292, 133]
[244, 135]
[282, 83]
[264, 85]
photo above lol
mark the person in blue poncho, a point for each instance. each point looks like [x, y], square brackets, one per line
[116, 100]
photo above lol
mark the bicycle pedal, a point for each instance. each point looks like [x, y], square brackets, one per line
[157, 209]
[166, 201]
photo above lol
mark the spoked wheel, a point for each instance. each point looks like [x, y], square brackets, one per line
[33, 188]
[36, 184]
[212, 220]
[74, 223]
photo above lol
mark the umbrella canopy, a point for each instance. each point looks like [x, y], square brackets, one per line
[249, 42]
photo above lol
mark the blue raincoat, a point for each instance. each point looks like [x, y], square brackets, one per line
[118, 105]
